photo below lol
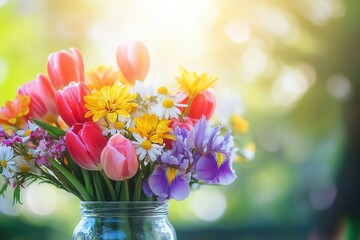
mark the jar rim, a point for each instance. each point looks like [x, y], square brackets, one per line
[130, 208]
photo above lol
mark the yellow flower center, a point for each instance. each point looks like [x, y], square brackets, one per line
[220, 159]
[119, 125]
[110, 102]
[24, 168]
[171, 175]
[3, 163]
[146, 145]
[27, 133]
[163, 90]
[168, 103]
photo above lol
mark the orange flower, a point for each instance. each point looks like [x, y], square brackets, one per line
[103, 76]
[14, 112]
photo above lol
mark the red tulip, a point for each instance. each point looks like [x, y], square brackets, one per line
[64, 67]
[42, 95]
[133, 60]
[85, 142]
[118, 158]
[203, 104]
[70, 103]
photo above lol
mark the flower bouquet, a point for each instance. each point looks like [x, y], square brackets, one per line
[108, 137]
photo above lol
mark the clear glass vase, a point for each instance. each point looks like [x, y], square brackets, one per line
[124, 220]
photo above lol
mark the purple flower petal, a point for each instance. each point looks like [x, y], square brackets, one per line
[180, 188]
[158, 182]
[206, 167]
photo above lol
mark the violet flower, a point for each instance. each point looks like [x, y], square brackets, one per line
[212, 154]
[171, 177]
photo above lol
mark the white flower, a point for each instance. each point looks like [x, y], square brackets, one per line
[23, 165]
[25, 133]
[145, 93]
[145, 149]
[119, 126]
[168, 107]
[6, 161]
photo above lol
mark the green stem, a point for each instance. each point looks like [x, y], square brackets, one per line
[188, 106]
[124, 194]
[87, 180]
[109, 185]
[137, 191]
[98, 187]
[71, 178]
[118, 189]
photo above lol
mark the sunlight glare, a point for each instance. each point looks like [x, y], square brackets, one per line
[339, 87]
[209, 204]
[41, 199]
[254, 60]
[238, 31]
[291, 85]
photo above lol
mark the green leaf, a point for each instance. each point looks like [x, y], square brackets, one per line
[52, 131]
[71, 178]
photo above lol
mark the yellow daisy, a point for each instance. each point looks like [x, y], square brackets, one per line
[110, 102]
[193, 84]
[149, 127]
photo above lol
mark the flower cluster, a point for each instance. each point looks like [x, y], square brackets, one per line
[106, 135]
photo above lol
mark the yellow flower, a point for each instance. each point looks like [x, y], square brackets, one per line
[13, 113]
[103, 76]
[110, 102]
[239, 124]
[193, 84]
[152, 129]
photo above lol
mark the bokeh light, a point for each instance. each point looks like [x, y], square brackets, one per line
[289, 67]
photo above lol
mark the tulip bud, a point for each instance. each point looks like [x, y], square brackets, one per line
[70, 103]
[133, 61]
[42, 95]
[203, 104]
[64, 67]
[118, 158]
[85, 142]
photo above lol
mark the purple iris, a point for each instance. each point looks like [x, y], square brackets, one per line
[171, 176]
[212, 154]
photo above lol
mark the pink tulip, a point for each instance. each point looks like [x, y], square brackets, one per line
[118, 158]
[42, 95]
[85, 142]
[70, 103]
[64, 67]
[133, 60]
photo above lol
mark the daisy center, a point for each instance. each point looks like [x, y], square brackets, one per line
[146, 145]
[163, 90]
[119, 125]
[24, 168]
[27, 133]
[168, 103]
[3, 163]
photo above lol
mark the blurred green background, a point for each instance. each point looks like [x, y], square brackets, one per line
[292, 68]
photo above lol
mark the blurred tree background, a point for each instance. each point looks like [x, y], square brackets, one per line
[291, 68]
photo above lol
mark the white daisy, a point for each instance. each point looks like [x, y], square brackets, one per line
[119, 126]
[146, 150]
[145, 98]
[23, 165]
[6, 161]
[25, 133]
[168, 107]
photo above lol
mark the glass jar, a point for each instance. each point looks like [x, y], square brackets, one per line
[124, 220]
